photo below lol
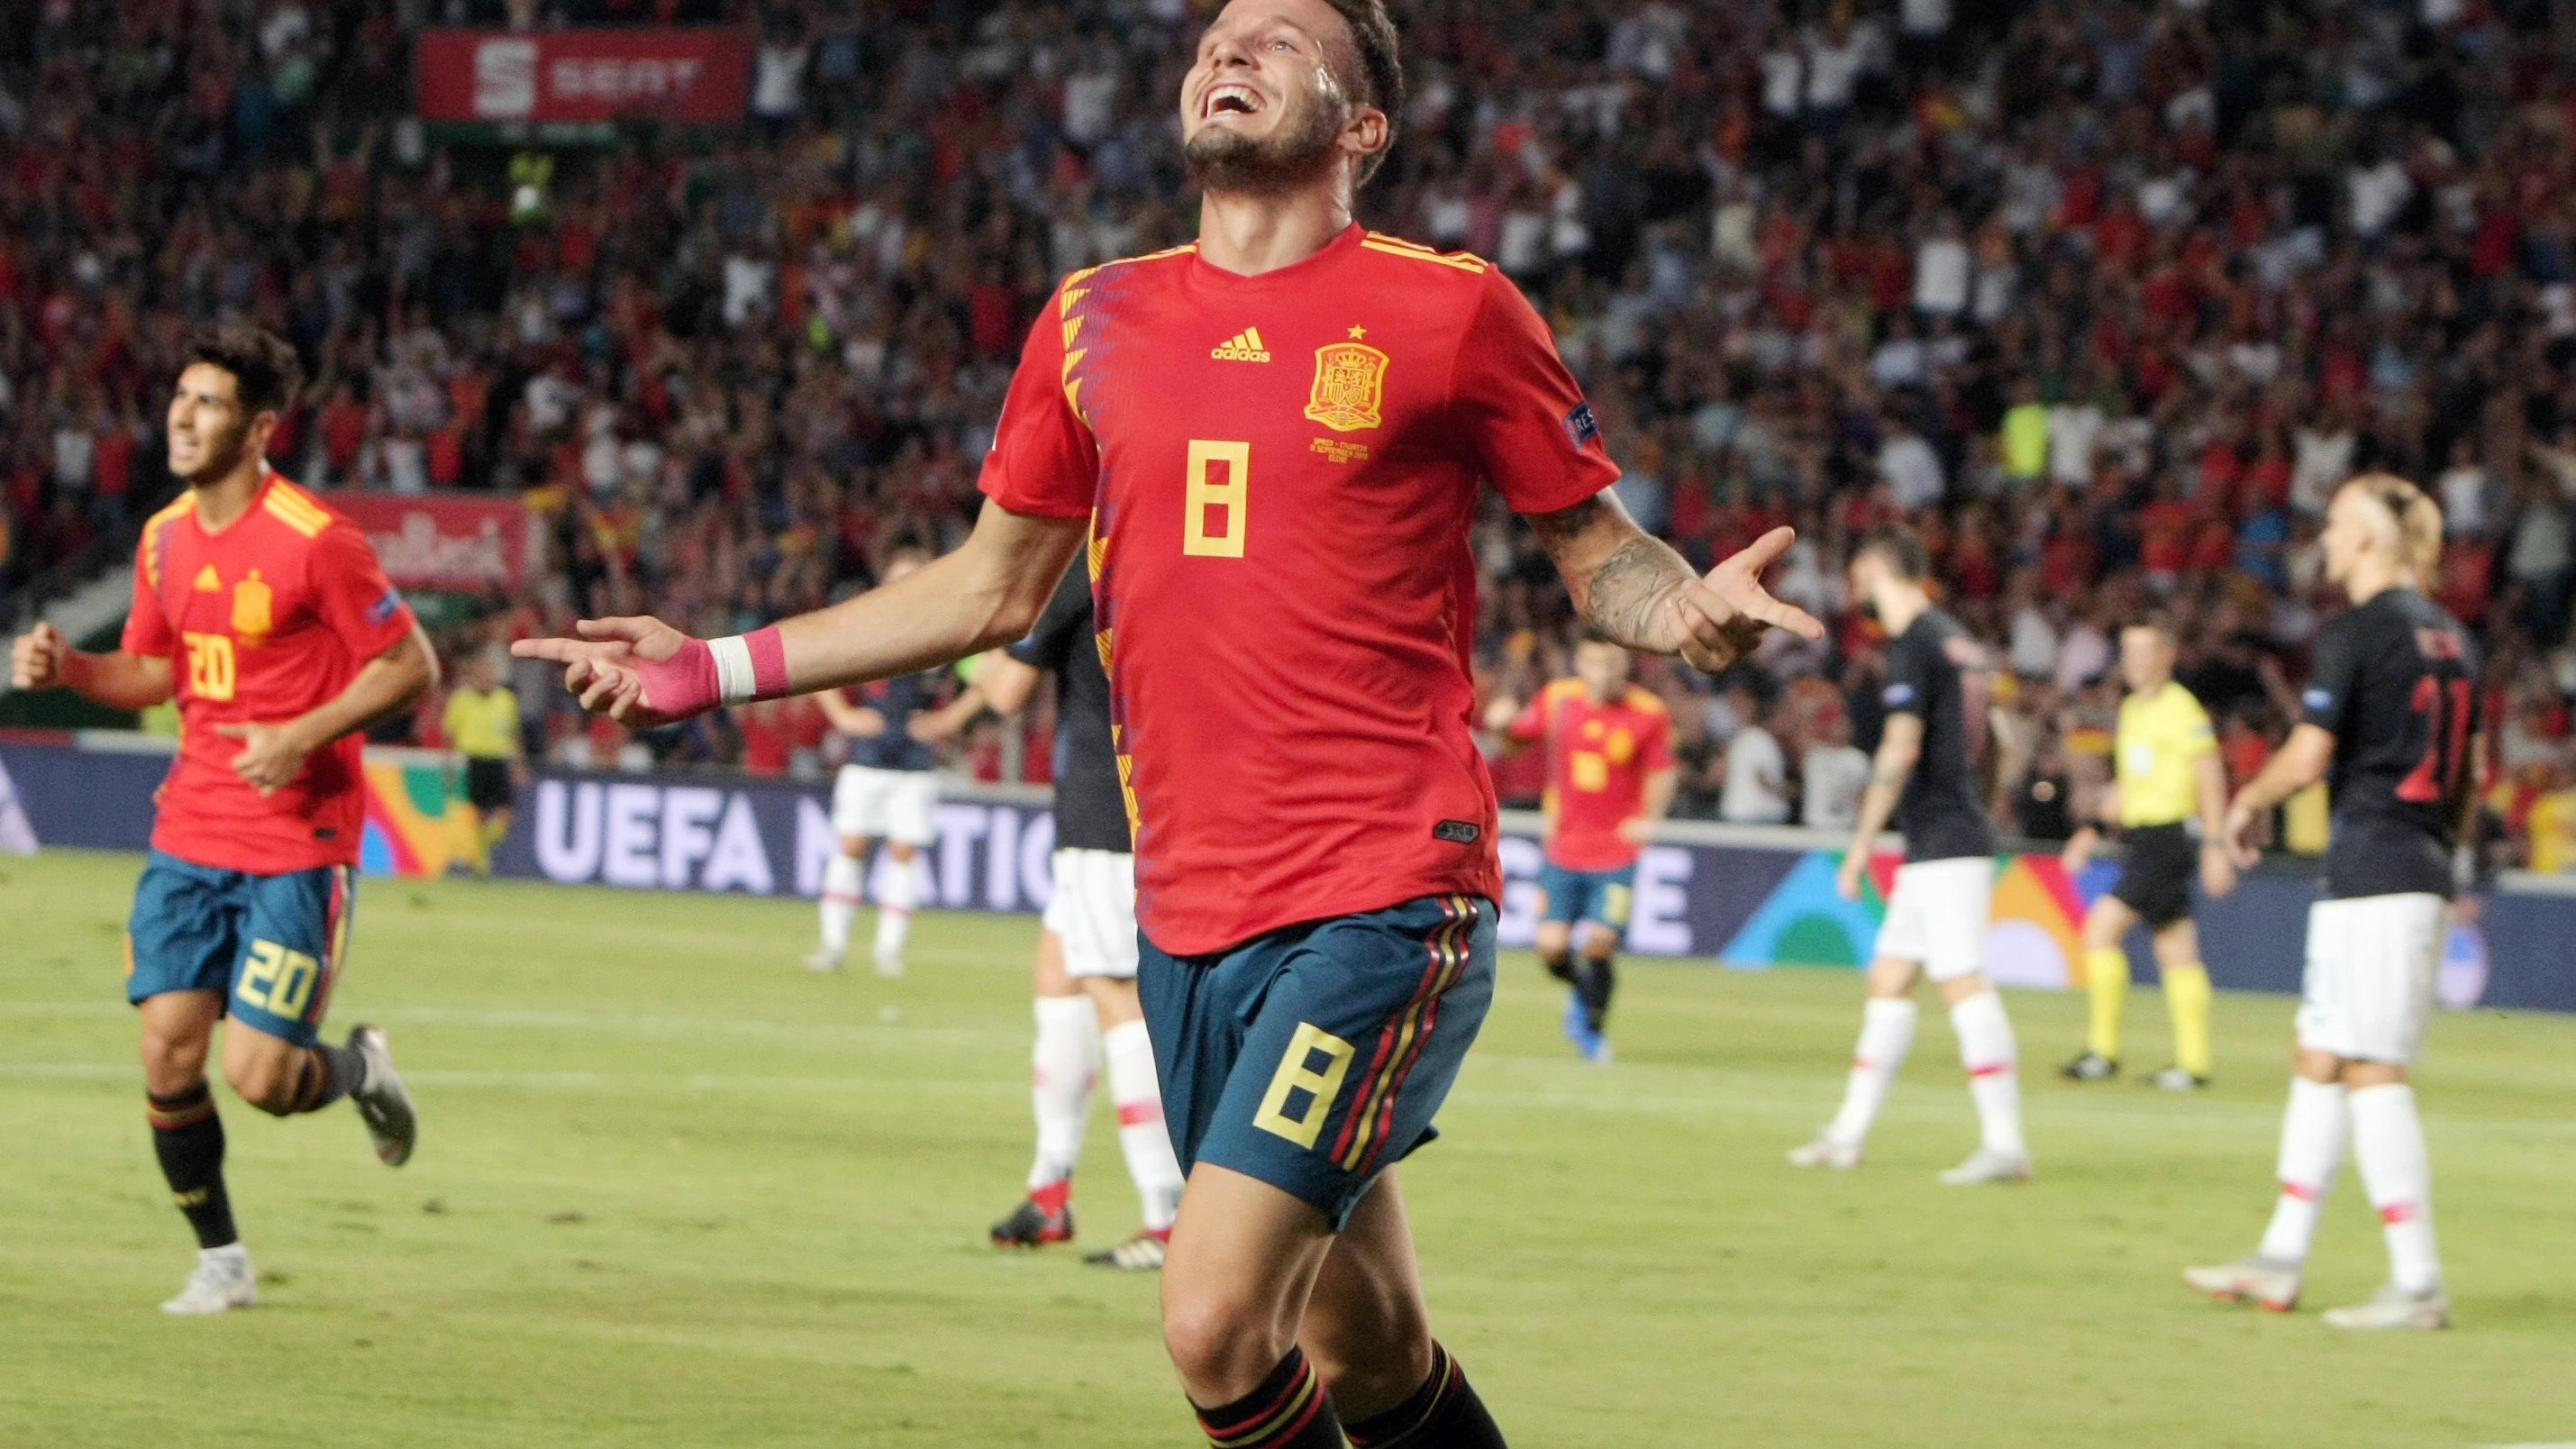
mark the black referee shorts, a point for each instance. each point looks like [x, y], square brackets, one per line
[487, 784]
[2156, 868]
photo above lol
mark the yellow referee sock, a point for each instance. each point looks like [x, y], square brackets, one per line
[2187, 997]
[2106, 977]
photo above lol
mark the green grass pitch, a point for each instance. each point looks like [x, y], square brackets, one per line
[673, 1191]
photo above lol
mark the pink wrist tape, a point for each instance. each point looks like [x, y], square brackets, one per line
[708, 672]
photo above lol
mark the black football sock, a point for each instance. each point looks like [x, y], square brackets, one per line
[189, 1139]
[1559, 964]
[1289, 1411]
[1442, 1414]
[325, 1075]
[1598, 979]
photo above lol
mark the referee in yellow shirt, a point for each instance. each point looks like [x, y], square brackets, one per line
[2168, 769]
[482, 722]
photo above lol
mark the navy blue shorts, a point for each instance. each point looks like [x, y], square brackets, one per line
[1313, 1057]
[1602, 897]
[271, 944]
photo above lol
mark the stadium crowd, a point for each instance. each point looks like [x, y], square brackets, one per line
[2103, 297]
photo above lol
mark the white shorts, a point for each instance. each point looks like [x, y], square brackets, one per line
[1094, 911]
[1937, 915]
[885, 804]
[2368, 990]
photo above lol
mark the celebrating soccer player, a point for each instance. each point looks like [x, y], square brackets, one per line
[2167, 758]
[266, 615]
[2391, 724]
[1276, 434]
[1924, 779]
[1610, 780]
[1087, 1009]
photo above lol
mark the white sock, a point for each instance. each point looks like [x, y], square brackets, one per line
[1886, 1034]
[2312, 1132]
[1064, 1064]
[2388, 1147]
[230, 1255]
[841, 887]
[894, 906]
[1994, 1077]
[1141, 1133]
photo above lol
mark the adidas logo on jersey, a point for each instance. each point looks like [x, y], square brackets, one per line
[1244, 346]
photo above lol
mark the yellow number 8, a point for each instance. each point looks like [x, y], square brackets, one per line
[1206, 494]
[1295, 1075]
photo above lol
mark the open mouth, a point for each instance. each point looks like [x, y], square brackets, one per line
[1232, 98]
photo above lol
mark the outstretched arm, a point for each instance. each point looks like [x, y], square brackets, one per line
[645, 673]
[1634, 588]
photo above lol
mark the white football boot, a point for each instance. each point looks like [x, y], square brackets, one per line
[2394, 1307]
[2266, 1282]
[223, 1282]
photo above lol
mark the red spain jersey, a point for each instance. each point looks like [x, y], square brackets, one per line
[263, 620]
[1598, 758]
[1280, 471]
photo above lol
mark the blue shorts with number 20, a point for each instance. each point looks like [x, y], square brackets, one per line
[1602, 897]
[1313, 1057]
[270, 943]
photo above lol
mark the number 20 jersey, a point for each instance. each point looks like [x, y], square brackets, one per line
[261, 620]
[2395, 682]
[1280, 471]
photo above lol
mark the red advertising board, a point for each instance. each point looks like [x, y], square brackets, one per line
[666, 73]
[465, 544]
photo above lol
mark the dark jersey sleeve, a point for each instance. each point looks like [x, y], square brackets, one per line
[1064, 626]
[2336, 675]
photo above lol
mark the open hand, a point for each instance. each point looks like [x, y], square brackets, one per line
[272, 755]
[615, 668]
[2237, 834]
[1847, 881]
[36, 658]
[1720, 618]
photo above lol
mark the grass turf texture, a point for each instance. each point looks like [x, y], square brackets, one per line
[674, 1190]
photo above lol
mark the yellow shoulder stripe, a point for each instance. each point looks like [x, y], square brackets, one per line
[1398, 247]
[1642, 698]
[290, 507]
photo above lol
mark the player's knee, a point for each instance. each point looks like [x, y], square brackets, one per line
[264, 1083]
[1219, 1344]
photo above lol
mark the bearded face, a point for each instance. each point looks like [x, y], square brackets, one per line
[1291, 155]
[1262, 111]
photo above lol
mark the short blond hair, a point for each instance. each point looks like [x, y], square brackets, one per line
[2418, 519]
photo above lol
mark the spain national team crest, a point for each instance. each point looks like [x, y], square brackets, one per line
[1350, 383]
[251, 608]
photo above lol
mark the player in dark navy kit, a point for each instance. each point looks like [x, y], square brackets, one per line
[1087, 1013]
[1274, 439]
[888, 790]
[266, 616]
[1924, 781]
[2390, 722]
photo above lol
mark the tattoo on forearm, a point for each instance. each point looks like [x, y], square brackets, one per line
[1626, 588]
[1630, 585]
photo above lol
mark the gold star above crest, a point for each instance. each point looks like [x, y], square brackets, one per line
[1358, 332]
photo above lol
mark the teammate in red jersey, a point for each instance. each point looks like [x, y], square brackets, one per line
[1610, 778]
[265, 614]
[1274, 438]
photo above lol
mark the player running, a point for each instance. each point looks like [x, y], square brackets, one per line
[1279, 432]
[265, 614]
[1611, 777]
[2391, 723]
[1087, 1009]
[888, 790]
[2168, 769]
[1924, 780]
